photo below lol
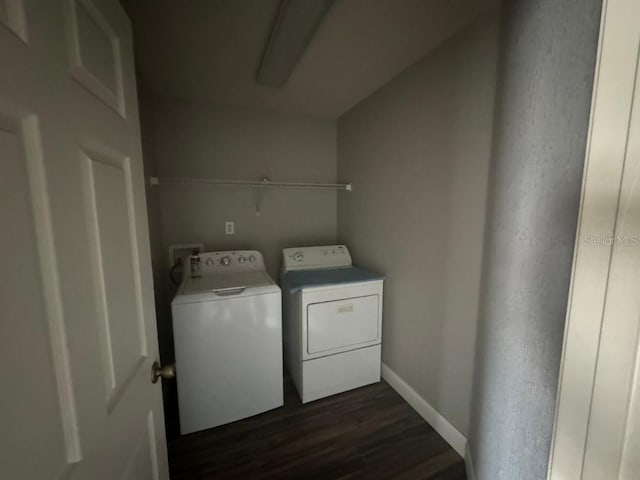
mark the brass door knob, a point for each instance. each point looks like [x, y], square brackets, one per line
[166, 372]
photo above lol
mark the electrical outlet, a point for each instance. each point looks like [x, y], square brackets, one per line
[229, 228]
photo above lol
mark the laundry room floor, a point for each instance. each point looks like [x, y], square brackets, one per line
[368, 433]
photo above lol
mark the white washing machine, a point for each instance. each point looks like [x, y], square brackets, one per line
[332, 321]
[227, 328]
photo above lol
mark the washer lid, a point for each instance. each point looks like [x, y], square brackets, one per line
[225, 285]
[223, 281]
[296, 280]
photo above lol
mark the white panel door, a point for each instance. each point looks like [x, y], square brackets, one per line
[597, 432]
[77, 332]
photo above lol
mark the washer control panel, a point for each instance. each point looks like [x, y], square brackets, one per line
[306, 258]
[231, 261]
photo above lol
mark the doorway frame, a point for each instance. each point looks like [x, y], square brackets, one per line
[605, 159]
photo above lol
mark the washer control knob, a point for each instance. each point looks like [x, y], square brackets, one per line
[252, 259]
[241, 259]
[225, 261]
[298, 256]
[209, 262]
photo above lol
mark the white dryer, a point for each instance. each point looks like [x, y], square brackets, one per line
[227, 328]
[332, 321]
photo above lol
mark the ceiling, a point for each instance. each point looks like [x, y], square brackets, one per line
[210, 50]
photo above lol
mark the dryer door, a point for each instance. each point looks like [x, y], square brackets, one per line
[342, 323]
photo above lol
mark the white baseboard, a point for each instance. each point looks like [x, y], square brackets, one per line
[468, 464]
[440, 424]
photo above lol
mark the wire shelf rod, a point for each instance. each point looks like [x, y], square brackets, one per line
[264, 183]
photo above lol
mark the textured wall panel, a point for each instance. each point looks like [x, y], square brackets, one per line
[545, 82]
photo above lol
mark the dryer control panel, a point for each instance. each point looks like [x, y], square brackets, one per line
[307, 258]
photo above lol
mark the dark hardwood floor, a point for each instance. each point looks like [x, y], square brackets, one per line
[368, 433]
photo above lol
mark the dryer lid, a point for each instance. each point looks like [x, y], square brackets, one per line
[296, 280]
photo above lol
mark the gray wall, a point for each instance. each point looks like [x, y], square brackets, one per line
[217, 141]
[163, 320]
[545, 80]
[158, 256]
[182, 139]
[145, 108]
[417, 152]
